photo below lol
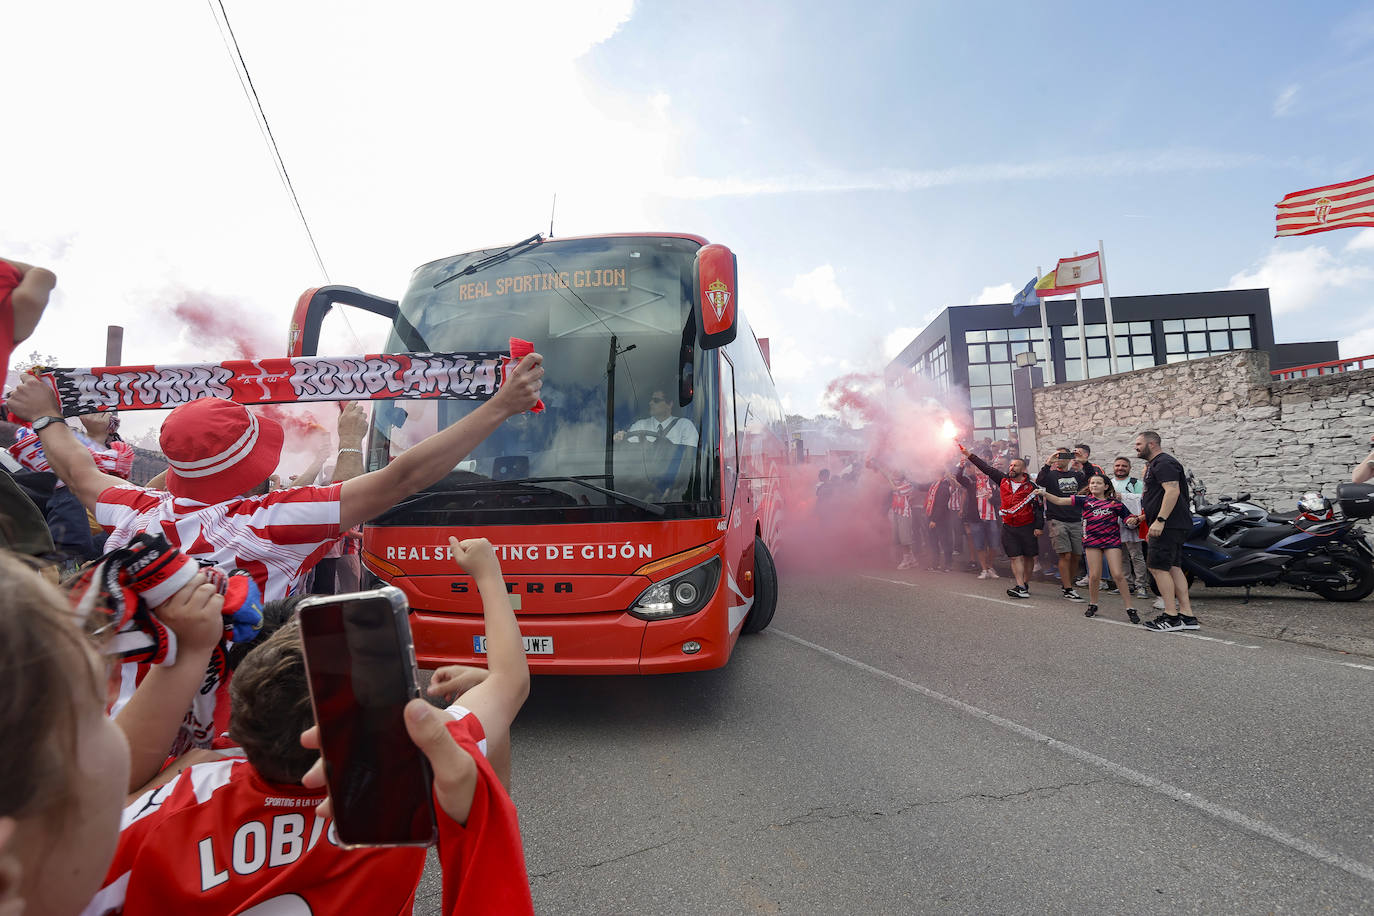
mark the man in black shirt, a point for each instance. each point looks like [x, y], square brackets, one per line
[1165, 503]
[1065, 522]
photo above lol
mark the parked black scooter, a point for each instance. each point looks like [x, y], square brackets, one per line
[1229, 549]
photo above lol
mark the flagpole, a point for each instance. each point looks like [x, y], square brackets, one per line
[1082, 333]
[1107, 304]
[1044, 329]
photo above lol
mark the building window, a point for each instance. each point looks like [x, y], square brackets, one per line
[1135, 348]
[991, 359]
[934, 365]
[1193, 338]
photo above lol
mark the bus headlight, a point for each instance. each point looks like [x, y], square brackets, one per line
[680, 595]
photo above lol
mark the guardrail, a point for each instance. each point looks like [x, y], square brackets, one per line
[1330, 368]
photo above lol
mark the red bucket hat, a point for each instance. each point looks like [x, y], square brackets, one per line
[217, 449]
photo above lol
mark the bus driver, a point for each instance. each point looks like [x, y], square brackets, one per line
[660, 424]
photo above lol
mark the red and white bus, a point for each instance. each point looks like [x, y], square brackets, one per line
[636, 518]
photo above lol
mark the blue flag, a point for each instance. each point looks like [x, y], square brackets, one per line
[1025, 299]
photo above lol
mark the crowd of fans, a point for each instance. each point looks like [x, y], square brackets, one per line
[1069, 519]
[158, 724]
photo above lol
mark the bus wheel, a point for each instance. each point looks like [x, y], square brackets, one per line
[765, 589]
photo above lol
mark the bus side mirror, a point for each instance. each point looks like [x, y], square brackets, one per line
[314, 304]
[715, 296]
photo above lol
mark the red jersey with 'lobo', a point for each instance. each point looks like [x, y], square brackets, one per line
[219, 839]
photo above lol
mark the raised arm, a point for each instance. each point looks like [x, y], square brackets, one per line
[154, 713]
[352, 428]
[992, 472]
[371, 494]
[30, 297]
[70, 460]
[497, 698]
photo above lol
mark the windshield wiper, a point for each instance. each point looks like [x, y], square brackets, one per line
[505, 254]
[614, 494]
[480, 485]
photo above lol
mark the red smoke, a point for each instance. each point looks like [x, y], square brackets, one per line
[899, 429]
[219, 329]
[218, 326]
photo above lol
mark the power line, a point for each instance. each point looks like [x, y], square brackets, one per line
[251, 92]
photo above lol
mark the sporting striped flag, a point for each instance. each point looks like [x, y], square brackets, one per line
[1335, 206]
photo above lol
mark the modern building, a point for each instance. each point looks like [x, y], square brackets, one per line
[975, 347]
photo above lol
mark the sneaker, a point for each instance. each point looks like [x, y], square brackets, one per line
[1142, 593]
[1158, 605]
[1110, 588]
[1132, 615]
[971, 567]
[992, 573]
[905, 564]
[1091, 611]
[983, 574]
[1189, 623]
[1165, 623]
[1082, 582]
[1018, 591]
[1071, 595]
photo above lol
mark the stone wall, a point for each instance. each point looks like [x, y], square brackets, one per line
[1226, 418]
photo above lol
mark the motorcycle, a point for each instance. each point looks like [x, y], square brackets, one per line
[1236, 544]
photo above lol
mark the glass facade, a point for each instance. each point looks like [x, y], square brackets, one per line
[1134, 348]
[1193, 338]
[934, 365]
[991, 359]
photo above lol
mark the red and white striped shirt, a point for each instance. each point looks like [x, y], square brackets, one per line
[277, 538]
[117, 458]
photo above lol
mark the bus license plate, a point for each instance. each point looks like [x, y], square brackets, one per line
[534, 645]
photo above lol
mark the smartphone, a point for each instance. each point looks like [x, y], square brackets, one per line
[360, 662]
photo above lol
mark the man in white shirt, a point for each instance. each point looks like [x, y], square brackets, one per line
[660, 424]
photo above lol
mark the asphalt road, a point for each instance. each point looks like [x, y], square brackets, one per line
[907, 742]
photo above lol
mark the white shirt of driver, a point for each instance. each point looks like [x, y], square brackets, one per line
[680, 433]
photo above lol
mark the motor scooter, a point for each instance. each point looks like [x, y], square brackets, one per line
[1232, 547]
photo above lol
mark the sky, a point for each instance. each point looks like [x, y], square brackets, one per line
[868, 165]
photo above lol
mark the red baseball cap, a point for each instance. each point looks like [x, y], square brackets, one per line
[217, 449]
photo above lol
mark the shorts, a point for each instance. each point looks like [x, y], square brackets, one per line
[1019, 540]
[985, 534]
[1067, 537]
[902, 529]
[1166, 550]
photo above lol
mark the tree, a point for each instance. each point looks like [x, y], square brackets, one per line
[35, 359]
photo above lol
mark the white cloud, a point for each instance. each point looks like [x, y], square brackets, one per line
[1107, 165]
[1301, 278]
[1283, 104]
[1361, 241]
[1360, 343]
[789, 361]
[819, 289]
[995, 295]
[895, 341]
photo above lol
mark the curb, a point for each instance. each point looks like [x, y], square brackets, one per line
[1301, 633]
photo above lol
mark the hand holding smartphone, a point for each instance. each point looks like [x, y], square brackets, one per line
[361, 668]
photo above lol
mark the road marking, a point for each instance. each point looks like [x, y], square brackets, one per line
[1022, 602]
[1224, 642]
[1332, 661]
[1019, 603]
[1235, 818]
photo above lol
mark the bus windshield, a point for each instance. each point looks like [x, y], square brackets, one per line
[628, 392]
